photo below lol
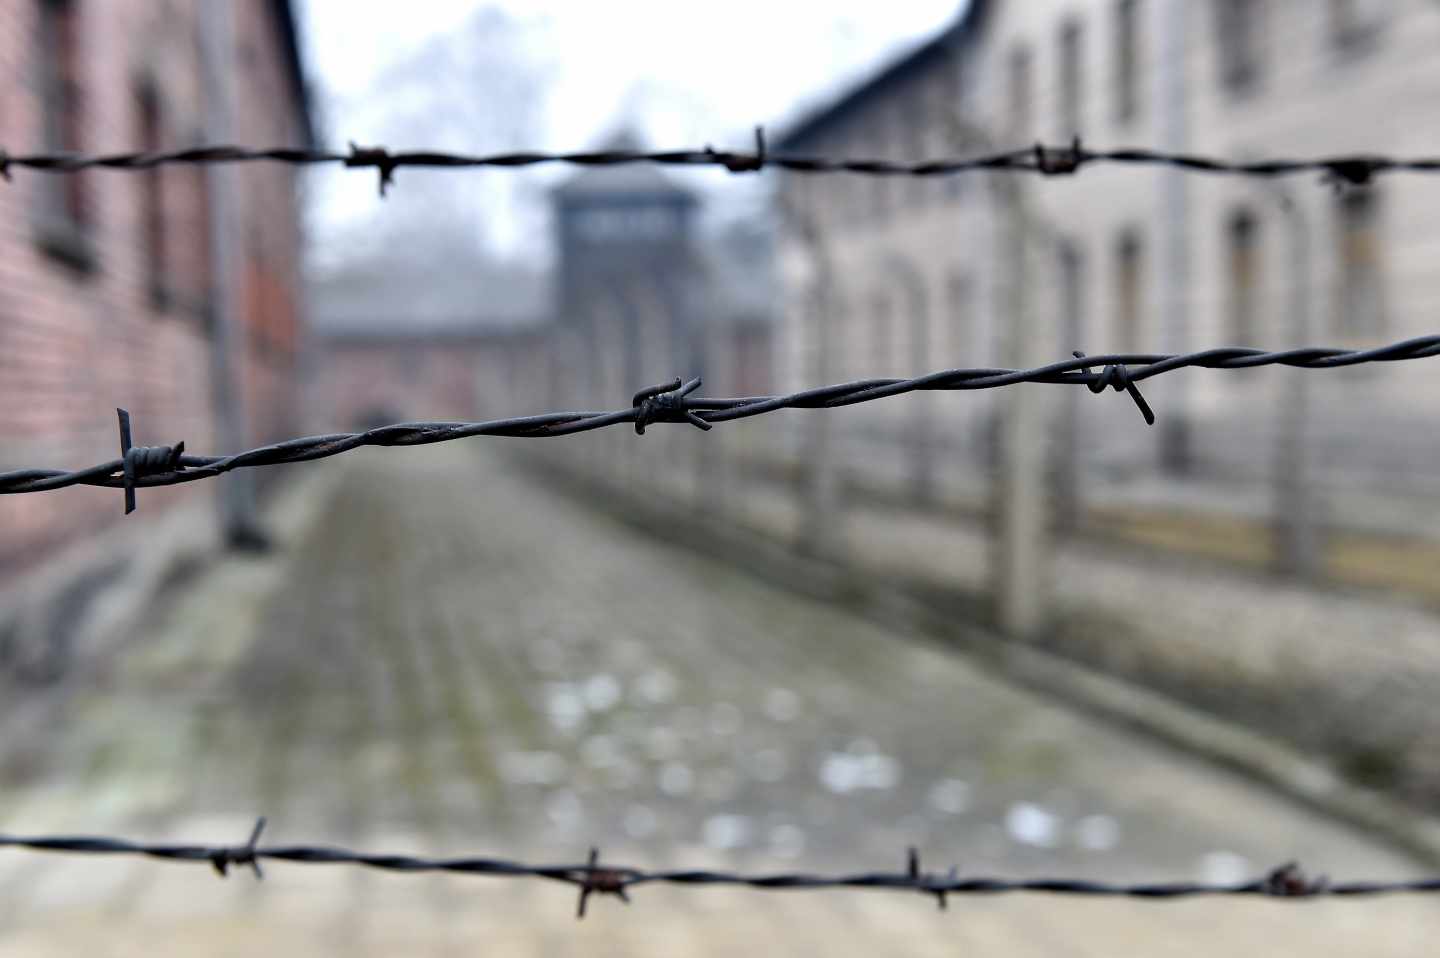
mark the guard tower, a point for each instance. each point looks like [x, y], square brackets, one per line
[626, 263]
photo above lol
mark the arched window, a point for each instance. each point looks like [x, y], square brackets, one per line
[1242, 238]
[1070, 78]
[1129, 277]
[1359, 300]
[1127, 60]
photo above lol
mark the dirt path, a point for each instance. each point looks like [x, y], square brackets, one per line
[445, 657]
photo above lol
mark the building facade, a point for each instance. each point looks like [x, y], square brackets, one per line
[105, 279]
[888, 276]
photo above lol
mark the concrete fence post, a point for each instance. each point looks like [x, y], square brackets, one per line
[1021, 581]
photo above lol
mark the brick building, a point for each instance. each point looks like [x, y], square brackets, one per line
[105, 277]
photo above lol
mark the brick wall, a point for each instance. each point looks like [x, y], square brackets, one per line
[85, 329]
[365, 382]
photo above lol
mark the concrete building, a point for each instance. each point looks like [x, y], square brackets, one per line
[886, 276]
[106, 277]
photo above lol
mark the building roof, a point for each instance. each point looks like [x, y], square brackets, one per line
[290, 44]
[944, 43]
[632, 179]
[409, 299]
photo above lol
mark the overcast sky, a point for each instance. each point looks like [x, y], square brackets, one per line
[686, 73]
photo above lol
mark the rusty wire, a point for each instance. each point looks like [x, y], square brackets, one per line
[1060, 160]
[593, 878]
[672, 402]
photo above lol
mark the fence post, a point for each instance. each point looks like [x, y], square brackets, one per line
[820, 532]
[238, 523]
[1294, 507]
[1021, 587]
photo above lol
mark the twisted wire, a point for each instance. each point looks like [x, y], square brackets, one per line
[1047, 160]
[673, 402]
[592, 877]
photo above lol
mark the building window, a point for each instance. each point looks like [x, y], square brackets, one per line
[1129, 274]
[195, 251]
[1018, 83]
[1244, 256]
[1070, 79]
[882, 339]
[1239, 34]
[960, 346]
[152, 198]
[625, 223]
[1127, 60]
[1359, 299]
[1072, 294]
[1354, 24]
[64, 208]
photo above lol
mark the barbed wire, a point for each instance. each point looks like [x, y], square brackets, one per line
[592, 877]
[1057, 160]
[673, 402]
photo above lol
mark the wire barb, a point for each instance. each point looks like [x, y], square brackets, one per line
[378, 157]
[1288, 881]
[740, 162]
[137, 462]
[600, 881]
[222, 857]
[1116, 376]
[1059, 161]
[666, 403]
[926, 884]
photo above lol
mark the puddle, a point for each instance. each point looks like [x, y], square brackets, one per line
[565, 706]
[843, 773]
[861, 766]
[1031, 824]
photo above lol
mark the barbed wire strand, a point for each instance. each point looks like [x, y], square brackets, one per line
[1056, 160]
[592, 877]
[141, 466]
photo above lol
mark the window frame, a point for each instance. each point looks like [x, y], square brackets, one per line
[1127, 14]
[60, 215]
